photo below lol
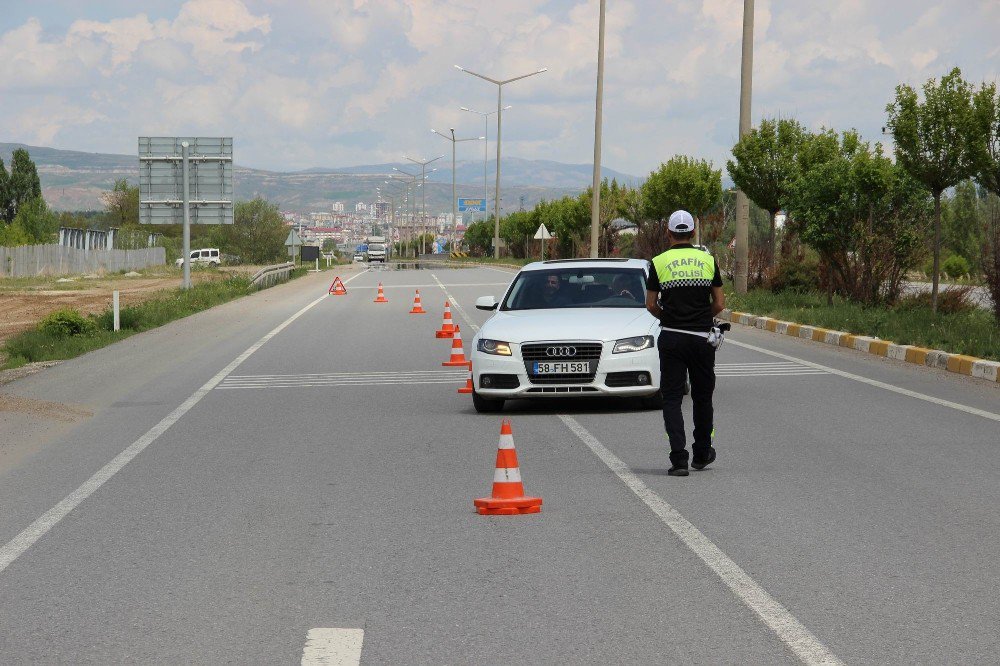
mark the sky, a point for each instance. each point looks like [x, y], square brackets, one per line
[308, 83]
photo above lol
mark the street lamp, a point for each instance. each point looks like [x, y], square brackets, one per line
[407, 199]
[454, 203]
[486, 144]
[496, 192]
[423, 193]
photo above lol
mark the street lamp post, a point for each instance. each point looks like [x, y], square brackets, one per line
[595, 200]
[409, 198]
[496, 191]
[423, 194]
[486, 144]
[454, 202]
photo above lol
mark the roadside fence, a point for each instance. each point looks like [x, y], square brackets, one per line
[28, 260]
[271, 275]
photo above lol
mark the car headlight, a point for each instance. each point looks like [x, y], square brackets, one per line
[626, 345]
[497, 347]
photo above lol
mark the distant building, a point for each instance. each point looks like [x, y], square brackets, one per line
[360, 207]
[321, 218]
[382, 208]
[337, 207]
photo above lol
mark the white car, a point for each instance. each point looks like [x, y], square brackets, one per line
[573, 327]
[208, 256]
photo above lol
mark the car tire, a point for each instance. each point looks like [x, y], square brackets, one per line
[486, 405]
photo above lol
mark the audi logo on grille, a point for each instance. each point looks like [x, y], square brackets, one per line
[560, 351]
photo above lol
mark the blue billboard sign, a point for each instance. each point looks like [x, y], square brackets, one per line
[465, 205]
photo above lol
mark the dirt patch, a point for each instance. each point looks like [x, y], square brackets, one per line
[25, 305]
[56, 411]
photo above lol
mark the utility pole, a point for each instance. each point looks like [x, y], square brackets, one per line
[742, 267]
[595, 200]
[423, 194]
[454, 201]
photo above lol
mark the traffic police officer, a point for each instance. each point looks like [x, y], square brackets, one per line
[684, 291]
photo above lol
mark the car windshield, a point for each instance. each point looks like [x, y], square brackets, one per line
[612, 287]
[376, 246]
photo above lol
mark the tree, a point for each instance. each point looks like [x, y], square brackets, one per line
[23, 184]
[681, 182]
[329, 245]
[36, 219]
[987, 157]
[122, 204]
[765, 165]
[479, 236]
[4, 194]
[961, 222]
[257, 234]
[865, 217]
[935, 142]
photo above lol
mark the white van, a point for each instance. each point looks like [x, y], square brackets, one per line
[208, 256]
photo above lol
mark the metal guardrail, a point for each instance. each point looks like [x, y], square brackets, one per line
[271, 275]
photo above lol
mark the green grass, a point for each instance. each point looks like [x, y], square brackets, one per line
[974, 331]
[35, 345]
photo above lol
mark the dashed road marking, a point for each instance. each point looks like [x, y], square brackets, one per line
[329, 646]
[333, 379]
[36, 530]
[873, 382]
[783, 369]
[431, 286]
[778, 619]
[451, 299]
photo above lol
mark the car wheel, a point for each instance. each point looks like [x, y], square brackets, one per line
[486, 405]
[654, 401]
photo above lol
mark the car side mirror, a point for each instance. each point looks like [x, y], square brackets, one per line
[487, 303]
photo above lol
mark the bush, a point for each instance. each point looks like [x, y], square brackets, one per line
[950, 301]
[797, 274]
[955, 267]
[65, 323]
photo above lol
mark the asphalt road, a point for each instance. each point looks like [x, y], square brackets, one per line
[166, 504]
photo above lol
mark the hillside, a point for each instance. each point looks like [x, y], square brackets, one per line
[73, 180]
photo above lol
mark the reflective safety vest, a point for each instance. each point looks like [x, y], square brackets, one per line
[684, 267]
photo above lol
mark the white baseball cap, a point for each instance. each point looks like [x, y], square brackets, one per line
[681, 221]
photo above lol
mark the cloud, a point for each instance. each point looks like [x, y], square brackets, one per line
[306, 82]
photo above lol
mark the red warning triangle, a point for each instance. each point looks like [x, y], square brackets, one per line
[337, 287]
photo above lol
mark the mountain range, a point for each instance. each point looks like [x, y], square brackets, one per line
[74, 180]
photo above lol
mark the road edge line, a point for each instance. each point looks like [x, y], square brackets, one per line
[27, 537]
[778, 619]
[330, 645]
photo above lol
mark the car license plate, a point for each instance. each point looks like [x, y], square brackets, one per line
[562, 367]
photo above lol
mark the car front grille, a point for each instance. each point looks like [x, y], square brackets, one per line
[585, 351]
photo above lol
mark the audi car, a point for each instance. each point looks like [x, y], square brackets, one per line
[568, 327]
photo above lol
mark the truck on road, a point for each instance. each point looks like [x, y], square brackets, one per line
[376, 248]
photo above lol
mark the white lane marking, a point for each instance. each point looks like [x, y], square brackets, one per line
[229, 387]
[797, 373]
[431, 286]
[36, 530]
[778, 619]
[505, 271]
[454, 304]
[333, 646]
[874, 382]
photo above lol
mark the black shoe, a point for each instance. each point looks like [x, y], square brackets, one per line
[699, 465]
[677, 470]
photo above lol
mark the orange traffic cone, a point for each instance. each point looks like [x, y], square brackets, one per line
[468, 388]
[508, 491]
[447, 326]
[381, 295]
[417, 307]
[457, 353]
[337, 287]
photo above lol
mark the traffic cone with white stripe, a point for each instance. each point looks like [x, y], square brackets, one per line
[468, 388]
[508, 497]
[381, 295]
[417, 307]
[447, 326]
[457, 353]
